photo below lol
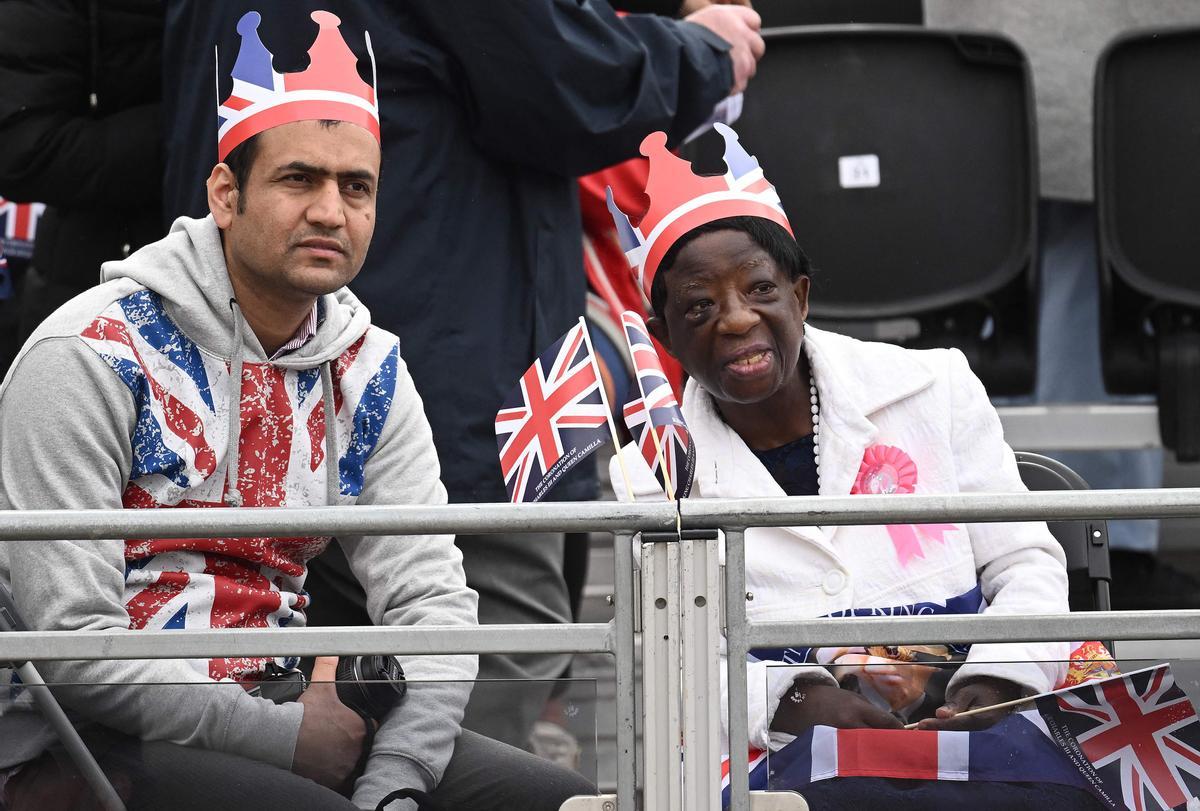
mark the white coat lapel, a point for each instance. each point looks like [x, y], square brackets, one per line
[854, 380]
[725, 466]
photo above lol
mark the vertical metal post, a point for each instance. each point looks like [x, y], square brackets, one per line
[662, 787]
[701, 678]
[736, 647]
[626, 684]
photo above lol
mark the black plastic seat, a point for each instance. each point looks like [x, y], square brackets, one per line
[938, 247]
[1084, 542]
[780, 13]
[1148, 208]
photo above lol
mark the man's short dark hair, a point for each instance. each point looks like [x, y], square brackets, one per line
[240, 161]
[771, 237]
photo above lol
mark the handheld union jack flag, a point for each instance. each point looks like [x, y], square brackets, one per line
[18, 226]
[554, 418]
[1136, 738]
[668, 449]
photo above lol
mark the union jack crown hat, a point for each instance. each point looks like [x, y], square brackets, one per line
[329, 88]
[681, 200]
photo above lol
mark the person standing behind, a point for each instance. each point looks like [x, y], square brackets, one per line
[489, 112]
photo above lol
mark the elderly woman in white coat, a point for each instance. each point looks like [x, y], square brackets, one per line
[780, 408]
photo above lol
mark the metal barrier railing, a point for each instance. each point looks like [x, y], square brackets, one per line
[618, 637]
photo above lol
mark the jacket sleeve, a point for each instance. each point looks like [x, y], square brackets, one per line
[567, 87]
[412, 580]
[55, 150]
[50, 156]
[1021, 567]
[65, 427]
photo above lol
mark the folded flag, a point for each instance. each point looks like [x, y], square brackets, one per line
[655, 419]
[553, 419]
[1132, 740]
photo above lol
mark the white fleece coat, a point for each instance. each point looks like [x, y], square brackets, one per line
[929, 404]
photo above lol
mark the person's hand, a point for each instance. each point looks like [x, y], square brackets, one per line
[808, 705]
[981, 692]
[689, 6]
[739, 26]
[332, 736]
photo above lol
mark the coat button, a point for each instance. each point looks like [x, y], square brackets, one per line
[834, 582]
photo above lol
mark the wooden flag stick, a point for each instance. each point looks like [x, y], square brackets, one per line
[989, 708]
[612, 429]
[1027, 699]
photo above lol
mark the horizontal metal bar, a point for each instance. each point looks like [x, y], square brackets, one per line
[1081, 427]
[928, 509]
[587, 638]
[332, 641]
[284, 522]
[908, 630]
[28, 525]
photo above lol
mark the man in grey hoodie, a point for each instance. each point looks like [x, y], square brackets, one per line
[228, 365]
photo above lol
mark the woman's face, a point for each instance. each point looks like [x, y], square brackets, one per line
[733, 318]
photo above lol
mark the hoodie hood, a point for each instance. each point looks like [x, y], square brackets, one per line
[187, 269]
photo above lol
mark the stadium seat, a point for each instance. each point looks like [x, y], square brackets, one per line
[779, 13]
[1148, 209]
[905, 159]
[1085, 542]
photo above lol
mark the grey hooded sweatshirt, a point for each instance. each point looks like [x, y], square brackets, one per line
[125, 398]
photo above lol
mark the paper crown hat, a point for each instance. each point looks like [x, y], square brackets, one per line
[329, 88]
[681, 200]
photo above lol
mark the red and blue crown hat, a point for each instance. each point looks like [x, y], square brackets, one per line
[329, 88]
[681, 200]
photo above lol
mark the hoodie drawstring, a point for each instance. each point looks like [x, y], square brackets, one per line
[333, 476]
[233, 496]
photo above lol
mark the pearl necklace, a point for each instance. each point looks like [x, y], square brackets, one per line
[816, 425]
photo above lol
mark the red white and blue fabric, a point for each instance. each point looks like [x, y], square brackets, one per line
[328, 89]
[1131, 740]
[1136, 738]
[553, 419]
[681, 200]
[657, 408]
[6, 285]
[180, 444]
[18, 227]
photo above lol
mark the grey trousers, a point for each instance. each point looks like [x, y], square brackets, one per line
[519, 578]
[483, 775]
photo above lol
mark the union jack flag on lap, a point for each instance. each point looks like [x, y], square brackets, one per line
[554, 418]
[657, 407]
[1133, 741]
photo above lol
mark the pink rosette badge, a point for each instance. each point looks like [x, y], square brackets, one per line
[886, 470]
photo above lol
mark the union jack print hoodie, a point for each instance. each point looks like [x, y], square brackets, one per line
[126, 397]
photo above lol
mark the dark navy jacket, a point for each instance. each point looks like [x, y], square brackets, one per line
[490, 110]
